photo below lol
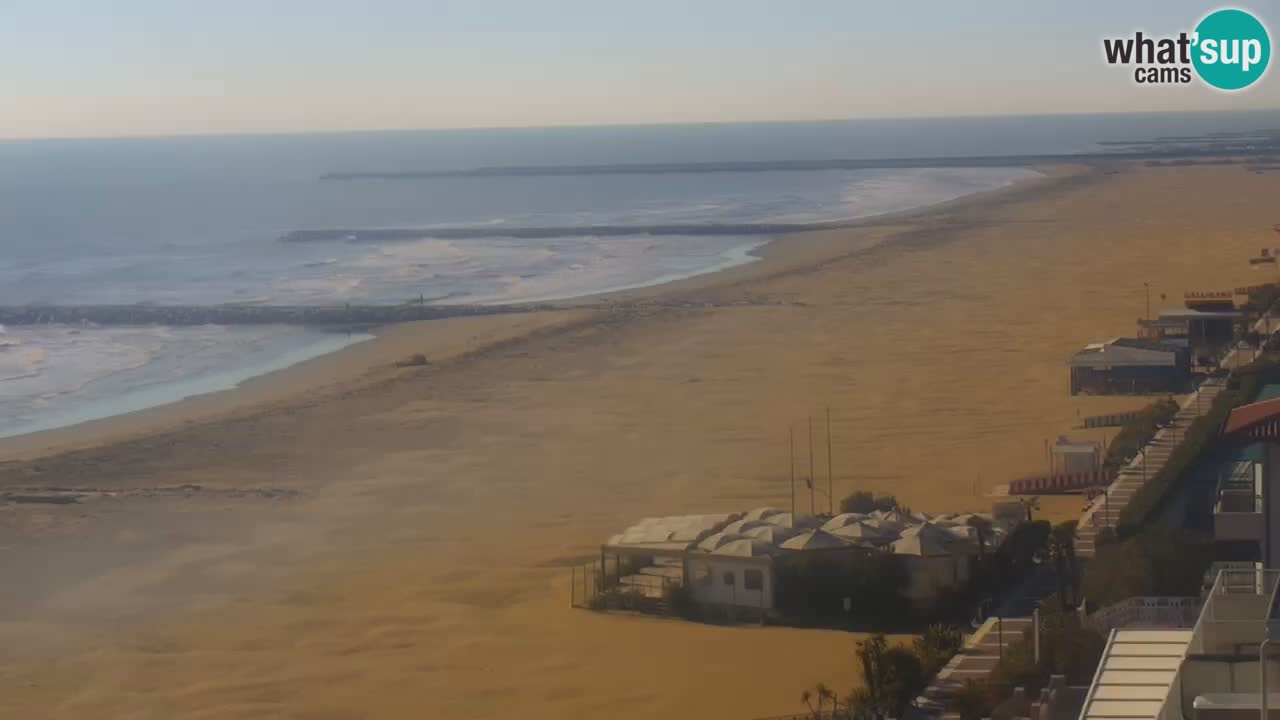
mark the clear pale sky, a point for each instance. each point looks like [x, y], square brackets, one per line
[146, 67]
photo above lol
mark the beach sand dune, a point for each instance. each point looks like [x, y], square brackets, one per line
[422, 571]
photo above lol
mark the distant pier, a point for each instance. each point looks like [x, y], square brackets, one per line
[316, 315]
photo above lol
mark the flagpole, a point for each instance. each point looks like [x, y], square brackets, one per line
[813, 506]
[791, 429]
[831, 503]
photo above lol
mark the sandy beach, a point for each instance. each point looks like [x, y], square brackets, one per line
[365, 541]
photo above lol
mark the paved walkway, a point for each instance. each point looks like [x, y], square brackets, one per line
[974, 662]
[1105, 510]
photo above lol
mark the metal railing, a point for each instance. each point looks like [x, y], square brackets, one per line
[1238, 610]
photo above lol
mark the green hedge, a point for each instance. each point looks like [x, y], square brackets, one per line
[1139, 429]
[1158, 561]
[1202, 433]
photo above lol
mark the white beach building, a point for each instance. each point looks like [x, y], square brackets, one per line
[731, 560]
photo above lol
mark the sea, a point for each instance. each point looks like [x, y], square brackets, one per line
[199, 220]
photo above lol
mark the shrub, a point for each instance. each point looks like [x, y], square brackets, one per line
[1159, 561]
[1016, 557]
[891, 678]
[1199, 437]
[864, 502]
[1138, 430]
[936, 646]
[1066, 648]
[974, 701]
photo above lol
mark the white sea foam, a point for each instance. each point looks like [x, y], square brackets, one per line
[81, 375]
[52, 376]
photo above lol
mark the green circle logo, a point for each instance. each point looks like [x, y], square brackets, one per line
[1232, 49]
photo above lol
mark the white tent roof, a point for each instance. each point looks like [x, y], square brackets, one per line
[769, 533]
[843, 520]
[782, 519]
[739, 527]
[865, 532]
[761, 513]
[745, 547]
[894, 517]
[815, 540]
[715, 541]
[926, 541]
[673, 531]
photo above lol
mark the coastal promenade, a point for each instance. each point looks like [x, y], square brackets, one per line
[321, 315]
[1105, 510]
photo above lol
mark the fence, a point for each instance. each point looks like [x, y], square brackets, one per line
[1112, 420]
[594, 588]
[1066, 483]
[585, 586]
[1146, 612]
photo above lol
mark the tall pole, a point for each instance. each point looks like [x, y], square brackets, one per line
[1106, 506]
[831, 503]
[1035, 621]
[791, 430]
[813, 506]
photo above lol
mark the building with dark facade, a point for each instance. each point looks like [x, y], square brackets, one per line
[1130, 366]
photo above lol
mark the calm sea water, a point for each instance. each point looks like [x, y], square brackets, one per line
[196, 220]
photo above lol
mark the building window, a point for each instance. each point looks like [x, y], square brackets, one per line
[729, 579]
[752, 579]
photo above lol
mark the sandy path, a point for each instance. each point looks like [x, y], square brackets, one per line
[421, 572]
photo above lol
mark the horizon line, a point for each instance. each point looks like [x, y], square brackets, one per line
[570, 126]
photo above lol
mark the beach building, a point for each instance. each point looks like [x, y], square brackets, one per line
[937, 560]
[738, 573]
[730, 561]
[1075, 457]
[1194, 328]
[1129, 366]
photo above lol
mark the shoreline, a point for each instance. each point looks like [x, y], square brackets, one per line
[420, 562]
[147, 396]
[763, 255]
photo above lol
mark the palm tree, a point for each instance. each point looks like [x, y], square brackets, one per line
[823, 695]
[1062, 548]
[982, 527]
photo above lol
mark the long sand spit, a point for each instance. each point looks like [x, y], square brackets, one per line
[422, 569]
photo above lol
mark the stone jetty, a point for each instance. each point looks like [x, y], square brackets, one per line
[320, 315]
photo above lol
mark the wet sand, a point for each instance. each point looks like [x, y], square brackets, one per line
[421, 569]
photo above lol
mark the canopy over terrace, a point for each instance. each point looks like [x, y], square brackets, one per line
[668, 536]
[1255, 421]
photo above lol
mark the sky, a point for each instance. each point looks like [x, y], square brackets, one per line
[100, 68]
